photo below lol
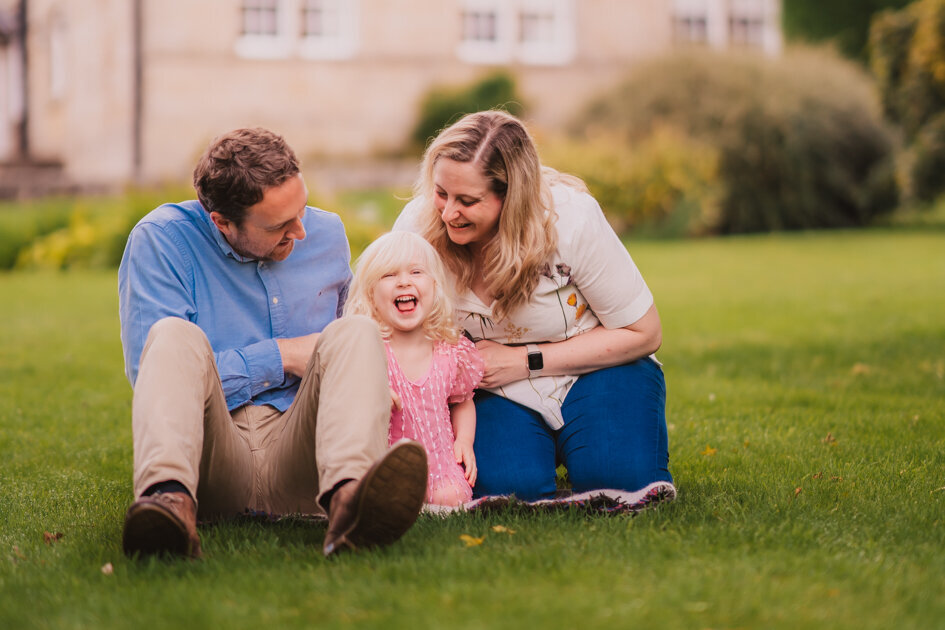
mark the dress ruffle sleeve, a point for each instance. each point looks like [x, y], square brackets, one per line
[469, 370]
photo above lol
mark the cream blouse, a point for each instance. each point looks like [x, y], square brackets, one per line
[590, 281]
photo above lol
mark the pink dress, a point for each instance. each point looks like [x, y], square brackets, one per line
[455, 371]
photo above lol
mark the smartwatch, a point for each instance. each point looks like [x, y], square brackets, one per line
[535, 361]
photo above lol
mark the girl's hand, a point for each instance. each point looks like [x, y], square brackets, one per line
[503, 364]
[395, 404]
[463, 451]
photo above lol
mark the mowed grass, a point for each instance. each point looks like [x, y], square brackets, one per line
[806, 378]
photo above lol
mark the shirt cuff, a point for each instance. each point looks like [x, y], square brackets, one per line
[264, 363]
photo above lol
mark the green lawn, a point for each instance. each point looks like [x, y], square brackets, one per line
[806, 380]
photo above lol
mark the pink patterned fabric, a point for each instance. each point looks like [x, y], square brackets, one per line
[454, 373]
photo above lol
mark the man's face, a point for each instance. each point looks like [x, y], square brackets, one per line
[270, 227]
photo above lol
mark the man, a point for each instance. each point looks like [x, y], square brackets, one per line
[248, 393]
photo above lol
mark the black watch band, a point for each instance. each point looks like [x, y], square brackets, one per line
[536, 362]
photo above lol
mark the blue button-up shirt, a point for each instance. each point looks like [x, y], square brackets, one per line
[178, 264]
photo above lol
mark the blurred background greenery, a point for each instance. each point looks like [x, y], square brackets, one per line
[846, 129]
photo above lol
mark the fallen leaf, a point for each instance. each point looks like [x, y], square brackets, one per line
[107, 568]
[502, 529]
[860, 368]
[818, 475]
[50, 538]
[709, 451]
[797, 491]
[836, 479]
[471, 541]
[830, 439]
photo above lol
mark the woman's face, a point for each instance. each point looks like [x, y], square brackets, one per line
[467, 206]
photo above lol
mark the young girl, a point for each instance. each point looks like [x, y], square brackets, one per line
[399, 281]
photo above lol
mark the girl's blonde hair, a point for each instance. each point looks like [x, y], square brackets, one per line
[505, 153]
[388, 253]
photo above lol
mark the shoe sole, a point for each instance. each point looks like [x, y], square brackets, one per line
[389, 500]
[152, 530]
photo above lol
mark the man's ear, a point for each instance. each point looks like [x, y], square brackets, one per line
[223, 224]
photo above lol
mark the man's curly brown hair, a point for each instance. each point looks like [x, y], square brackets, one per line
[238, 167]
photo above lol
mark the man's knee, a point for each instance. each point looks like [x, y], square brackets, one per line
[175, 328]
[356, 325]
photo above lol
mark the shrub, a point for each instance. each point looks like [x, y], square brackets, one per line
[21, 223]
[665, 186]
[800, 140]
[95, 232]
[443, 106]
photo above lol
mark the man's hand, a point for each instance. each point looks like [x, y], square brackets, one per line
[296, 353]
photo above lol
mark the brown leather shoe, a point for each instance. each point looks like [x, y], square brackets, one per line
[383, 505]
[162, 524]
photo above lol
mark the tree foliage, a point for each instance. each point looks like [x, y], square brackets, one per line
[907, 57]
[845, 23]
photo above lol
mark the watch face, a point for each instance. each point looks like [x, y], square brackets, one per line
[535, 361]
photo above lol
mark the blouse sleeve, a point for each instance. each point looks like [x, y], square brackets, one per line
[469, 370]
[602, 267]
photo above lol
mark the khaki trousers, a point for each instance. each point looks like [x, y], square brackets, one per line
[257, 457]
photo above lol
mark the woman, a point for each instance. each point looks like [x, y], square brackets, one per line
[559, 312]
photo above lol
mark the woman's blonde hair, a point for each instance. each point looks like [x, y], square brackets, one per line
[506, 155]
[388, 253]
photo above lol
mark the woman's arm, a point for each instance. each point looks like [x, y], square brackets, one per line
[463, 416]
[596, 349]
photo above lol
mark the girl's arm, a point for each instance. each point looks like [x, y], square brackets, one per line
[596, 349]
[463, 416]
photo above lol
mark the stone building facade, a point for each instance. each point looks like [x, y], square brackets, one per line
[107, 92]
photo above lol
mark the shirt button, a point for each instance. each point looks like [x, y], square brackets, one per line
[275, 300]
[266, 384]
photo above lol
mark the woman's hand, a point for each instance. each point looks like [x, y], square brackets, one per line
[503, 364]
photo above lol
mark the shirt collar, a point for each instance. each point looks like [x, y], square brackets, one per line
[225, 248]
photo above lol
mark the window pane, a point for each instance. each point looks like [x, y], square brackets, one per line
[260, 17]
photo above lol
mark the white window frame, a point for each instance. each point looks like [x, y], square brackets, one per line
[560, 48]
[507, 46]
[277, 45]
[342, 42]
[498, 50]
[686, 13]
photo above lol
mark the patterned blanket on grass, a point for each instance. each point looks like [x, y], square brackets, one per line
[594, 501]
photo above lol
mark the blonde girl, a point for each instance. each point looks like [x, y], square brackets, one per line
[400, 282]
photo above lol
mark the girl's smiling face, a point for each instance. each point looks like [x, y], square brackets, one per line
[467, 205]
[403, 296]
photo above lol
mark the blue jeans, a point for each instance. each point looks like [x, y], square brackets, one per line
[614, 436]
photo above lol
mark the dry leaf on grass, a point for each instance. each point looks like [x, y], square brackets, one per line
[49, 538]
[471, 541]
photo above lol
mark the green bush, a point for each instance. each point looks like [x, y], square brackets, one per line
[91, 232]
[95, 231]
[800, 140]
[664, 186]
[443, 105]
[23, 222]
